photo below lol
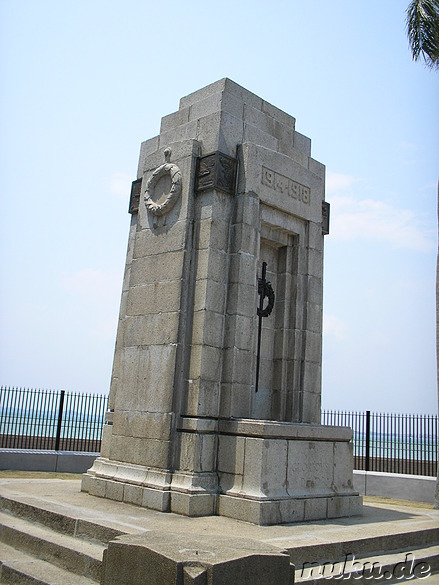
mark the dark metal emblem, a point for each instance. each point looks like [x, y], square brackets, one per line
[216, 171]
[135, 196]
[265, 291]
[325, 218]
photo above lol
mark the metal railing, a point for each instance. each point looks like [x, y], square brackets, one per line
[48, 419]
[58, 420]
[392, 443]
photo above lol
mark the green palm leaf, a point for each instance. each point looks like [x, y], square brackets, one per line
[423, 31]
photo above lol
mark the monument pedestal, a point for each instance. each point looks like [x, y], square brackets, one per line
[274, 473]
[229, 184]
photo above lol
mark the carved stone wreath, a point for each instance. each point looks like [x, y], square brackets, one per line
[174, 193]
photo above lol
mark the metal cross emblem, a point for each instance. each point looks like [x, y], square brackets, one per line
[265, 290]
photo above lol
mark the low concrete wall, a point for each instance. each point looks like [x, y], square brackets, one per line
[415, 488]
[36, 460]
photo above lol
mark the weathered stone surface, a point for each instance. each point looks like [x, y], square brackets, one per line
[186, 431]
[157, 558]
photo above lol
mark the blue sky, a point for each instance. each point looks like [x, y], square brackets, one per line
[84, 82]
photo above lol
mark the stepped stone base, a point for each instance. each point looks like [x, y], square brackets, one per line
[194, 560]
[51, 519]
[268, 473]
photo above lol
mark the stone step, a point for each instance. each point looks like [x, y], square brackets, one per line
[19, 568]
[78, 555]
[360, 547]
[61, 519]
[388, 568]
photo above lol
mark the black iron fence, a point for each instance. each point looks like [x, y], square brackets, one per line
[59, 420]
[392, 443]
[47, 419]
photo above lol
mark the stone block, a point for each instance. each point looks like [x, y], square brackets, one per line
[114, 490]
[149, 452]
[315, 289]
[208, 328]
[284, 135]
[97, 487]
[151, 425]
[239, 508]
[236, 399]
[194, 505]
[213, 234]
[133, 494]
[236, 367]
[206, 106]
[220, 131]
[343, 467]
[211, 363]
[178, 134]
[209, 295]
[146, 149]
[159, 558]
[255, 135]
[154, 298]
[242, 299]
[317, 168]
[316, 508]
[216, 102]
[157, 267]
[203, 397]
[212, 264]
[239, 332]
[231, 454]
[302, 143]
[197, 452]
[340, 507]
[173, 120]
[294, 154]
[247, 210]
[159, 328]
[148, 374]
[166, 239]
[315, 236]
[243, 268]
[314, 316]
[315, 262]
[203, 93]
[279, 115]
[231, 134]
[310, 468]
[156, 499]
[261, 120]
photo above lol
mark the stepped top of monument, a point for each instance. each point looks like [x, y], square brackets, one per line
[222, 116]
[241, 96]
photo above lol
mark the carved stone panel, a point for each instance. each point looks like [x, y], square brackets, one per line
[325, 218]
[135, 196]
[216, 171]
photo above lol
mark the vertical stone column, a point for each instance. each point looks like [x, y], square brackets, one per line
[153, 342]
[239, 344]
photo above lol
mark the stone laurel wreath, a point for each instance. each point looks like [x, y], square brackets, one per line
[166, 169]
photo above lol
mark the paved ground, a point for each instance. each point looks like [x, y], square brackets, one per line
[59, 491]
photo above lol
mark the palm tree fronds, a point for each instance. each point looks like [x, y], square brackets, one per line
[422, 20]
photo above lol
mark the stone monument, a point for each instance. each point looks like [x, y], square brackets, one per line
[226, 190]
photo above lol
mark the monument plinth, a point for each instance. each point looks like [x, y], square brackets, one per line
[227, 185]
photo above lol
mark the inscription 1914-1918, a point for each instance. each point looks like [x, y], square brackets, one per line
[283, 184]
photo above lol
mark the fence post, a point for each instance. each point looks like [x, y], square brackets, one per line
[58, 429]
[367, 440]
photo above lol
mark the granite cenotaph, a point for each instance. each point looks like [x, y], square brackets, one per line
[227, 188]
